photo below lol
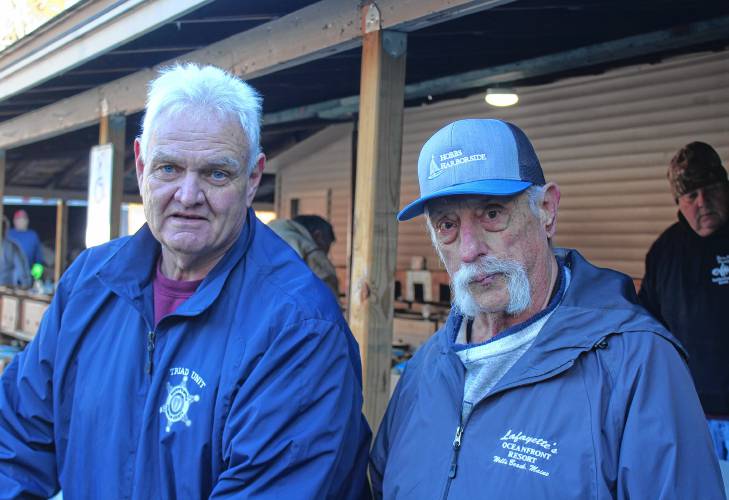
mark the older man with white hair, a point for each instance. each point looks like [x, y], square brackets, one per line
[548, 380]
[199, 358]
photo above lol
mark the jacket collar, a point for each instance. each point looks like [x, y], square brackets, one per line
[130, 270]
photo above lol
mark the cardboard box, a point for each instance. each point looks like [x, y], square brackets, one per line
[10, 318]
[33, 311]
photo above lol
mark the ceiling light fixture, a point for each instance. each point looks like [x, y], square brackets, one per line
[501, 97]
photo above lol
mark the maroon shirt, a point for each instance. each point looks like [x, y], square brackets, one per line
[169, 294]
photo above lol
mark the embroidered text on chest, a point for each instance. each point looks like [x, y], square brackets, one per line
[720, 274]
[524, 452]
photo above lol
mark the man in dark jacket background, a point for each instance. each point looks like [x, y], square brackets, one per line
[311, 237]
[686, 282]
[199, 358]
[548, 380]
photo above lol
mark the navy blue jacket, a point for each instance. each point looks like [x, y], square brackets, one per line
[251, 389]
[686, 287]
[601, 406]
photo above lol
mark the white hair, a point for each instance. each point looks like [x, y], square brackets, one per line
[536, 196]
[188, 85]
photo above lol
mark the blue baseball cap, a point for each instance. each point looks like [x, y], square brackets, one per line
[475, 156]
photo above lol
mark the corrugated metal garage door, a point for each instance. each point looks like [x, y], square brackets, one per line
[606, 140]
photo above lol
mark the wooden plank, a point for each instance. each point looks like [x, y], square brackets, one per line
[119, 23]
[412, 15]
[55, 28]
[115, 131]
[3, 166]
[377, 198]
[61, 239]
[316, 31]
[63, 194]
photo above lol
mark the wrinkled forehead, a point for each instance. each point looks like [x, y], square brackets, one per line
[450, 203]
[197, 132]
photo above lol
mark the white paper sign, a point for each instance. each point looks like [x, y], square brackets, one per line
[98, 215]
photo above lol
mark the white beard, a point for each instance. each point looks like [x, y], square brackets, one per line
[517, 285]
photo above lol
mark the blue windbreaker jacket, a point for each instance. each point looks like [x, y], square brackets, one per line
[251, 389]
[601, 406]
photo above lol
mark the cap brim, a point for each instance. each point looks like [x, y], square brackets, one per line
[489, 187]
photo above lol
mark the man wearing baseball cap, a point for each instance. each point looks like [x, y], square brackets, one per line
[686, 283]
[548, 380]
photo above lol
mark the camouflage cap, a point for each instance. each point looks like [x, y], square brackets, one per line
[695, 165]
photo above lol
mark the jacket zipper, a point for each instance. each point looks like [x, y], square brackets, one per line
[600, 344]
[150, 352]
[454, 459]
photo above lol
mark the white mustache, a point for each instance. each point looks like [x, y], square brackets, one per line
[514, 273]
[485, 266]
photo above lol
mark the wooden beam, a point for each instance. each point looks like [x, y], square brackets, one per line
[12, 173]
[591, 55]
[316, 31]
[116, 24]
[63, 194]
[112, 130]
[3, 163]
[412, 15]
[377, 199]
[61, 239]
[69, 170]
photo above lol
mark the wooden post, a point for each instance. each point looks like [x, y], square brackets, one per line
[61, 239]
[112, 129]
[377, 198]
[3, 166]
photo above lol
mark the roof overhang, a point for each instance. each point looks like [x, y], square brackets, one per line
[92, 30]
[316, 31]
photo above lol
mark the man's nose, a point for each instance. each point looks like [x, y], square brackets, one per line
[473, 244]
[700, 198]
[189, 192]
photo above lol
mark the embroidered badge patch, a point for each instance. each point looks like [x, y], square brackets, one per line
[179, 398]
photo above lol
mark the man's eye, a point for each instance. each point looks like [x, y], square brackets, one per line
[167, 169]
[445, 226]
[218, 175]
[492, 213]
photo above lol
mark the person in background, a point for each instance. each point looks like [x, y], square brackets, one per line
[26, 238]
[14, 270]
[686, 282]
[311, 236]
[198, 358]
[548, 380]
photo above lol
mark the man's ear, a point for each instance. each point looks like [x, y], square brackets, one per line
[138, 163]
[549, 208]
[254, 180]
